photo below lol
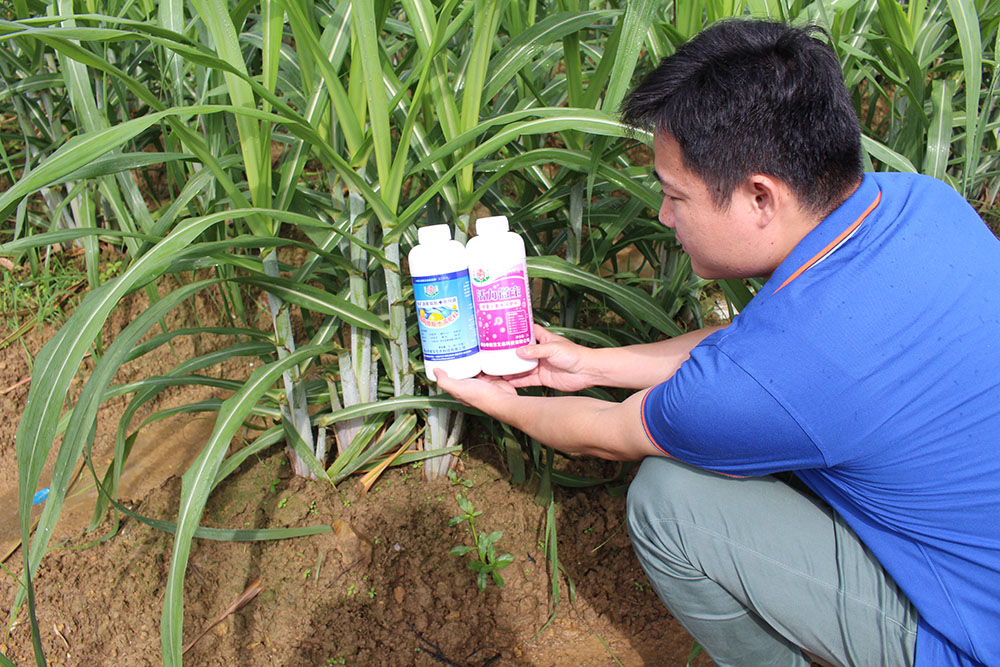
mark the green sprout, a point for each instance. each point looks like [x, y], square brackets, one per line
[455, 479]
[486, 563]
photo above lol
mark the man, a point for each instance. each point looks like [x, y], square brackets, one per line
[868, 365]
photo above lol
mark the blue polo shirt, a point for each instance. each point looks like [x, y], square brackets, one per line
[870, 365]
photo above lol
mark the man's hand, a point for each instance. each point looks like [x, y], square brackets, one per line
[481, 392]
[561, 364]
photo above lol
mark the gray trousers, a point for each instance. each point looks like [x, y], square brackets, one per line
[758, 571]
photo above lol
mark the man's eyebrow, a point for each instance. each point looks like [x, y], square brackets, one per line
[664, 183]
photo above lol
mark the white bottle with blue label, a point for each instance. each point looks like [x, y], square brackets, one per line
[443, 297]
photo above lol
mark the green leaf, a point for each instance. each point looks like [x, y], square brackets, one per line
[119, 162]
[520, 50]
[890, 158]
[68, 235]
[215, 15]
[939, 134]
[78, 152]
[364, 27]
[397, 403]
[464, 504]
[634, 305]
[966, 18]
[503, 561]
[315, 299]
[635, 24]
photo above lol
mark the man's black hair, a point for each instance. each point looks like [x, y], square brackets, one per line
[749, 96]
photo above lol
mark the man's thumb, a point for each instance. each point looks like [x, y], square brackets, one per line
[534, 351]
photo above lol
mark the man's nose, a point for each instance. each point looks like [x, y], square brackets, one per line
[666, 216]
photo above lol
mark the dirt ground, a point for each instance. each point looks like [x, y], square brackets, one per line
[379, 589]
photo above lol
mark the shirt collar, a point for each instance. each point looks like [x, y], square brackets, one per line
[827, 236]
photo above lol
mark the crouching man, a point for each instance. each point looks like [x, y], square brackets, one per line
[822, 476]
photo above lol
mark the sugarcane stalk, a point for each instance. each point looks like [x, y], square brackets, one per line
[295, 410]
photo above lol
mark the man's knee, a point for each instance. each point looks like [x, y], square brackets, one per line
[658, 493]
[660, 484]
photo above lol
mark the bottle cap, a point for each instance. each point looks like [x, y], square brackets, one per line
[433, 234]
[496, 224]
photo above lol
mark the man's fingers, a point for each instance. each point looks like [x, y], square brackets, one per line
[525, 380]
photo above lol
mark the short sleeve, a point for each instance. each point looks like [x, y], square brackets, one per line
[714, 415]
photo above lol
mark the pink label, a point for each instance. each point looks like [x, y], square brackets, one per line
[503, 309]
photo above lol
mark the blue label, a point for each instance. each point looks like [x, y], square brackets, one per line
[445, 316]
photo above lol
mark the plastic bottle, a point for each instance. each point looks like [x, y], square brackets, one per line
[502, 297]
[443, 298]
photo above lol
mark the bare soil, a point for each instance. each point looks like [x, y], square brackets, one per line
[379, 589]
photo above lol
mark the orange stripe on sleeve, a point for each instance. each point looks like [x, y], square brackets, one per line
[645, 426]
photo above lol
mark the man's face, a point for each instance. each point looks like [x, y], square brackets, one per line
[720, 242]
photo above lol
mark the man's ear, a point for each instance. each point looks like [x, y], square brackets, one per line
[766, 196]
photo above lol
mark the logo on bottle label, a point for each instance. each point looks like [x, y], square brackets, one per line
[438, 313]
[503, 309]
[479, 276]
[445, 316]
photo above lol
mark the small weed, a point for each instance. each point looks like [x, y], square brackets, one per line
[487, 564]
[312, 508]
[274, 484]
[330, 662]
[110, 270]
[695, 650]
[642, 587]
[43, 297]
[455, 479]
[372, 593]
[282, 502]
[352, 590]
[305, 575]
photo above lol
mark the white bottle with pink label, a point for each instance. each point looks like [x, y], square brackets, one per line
[501, 296]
